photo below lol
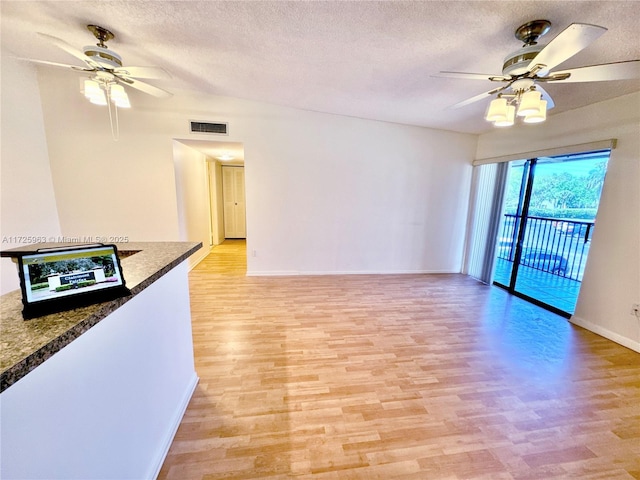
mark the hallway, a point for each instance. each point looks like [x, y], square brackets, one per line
[396, 376]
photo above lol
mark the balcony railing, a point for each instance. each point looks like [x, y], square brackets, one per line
[552, 245]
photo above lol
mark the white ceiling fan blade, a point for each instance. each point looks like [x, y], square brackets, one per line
[566, 44]
[145, 87]
[478, 97]
[472, 76]
[68, 48]
[54, 64]
[546, 96]
[143, 72]
[607, 71]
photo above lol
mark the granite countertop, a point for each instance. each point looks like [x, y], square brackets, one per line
[25, 344]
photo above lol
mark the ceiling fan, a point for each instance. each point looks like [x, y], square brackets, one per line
[525, 69]
[105, 65]
[107, 75]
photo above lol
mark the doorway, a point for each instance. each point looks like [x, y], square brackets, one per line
[547, 223]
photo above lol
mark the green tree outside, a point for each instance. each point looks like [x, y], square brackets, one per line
[559, 195]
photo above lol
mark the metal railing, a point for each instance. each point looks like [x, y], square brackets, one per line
[553, 245]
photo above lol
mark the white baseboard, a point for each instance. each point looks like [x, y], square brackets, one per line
[175, 423]
[285, 273]
[194, 260]
[608, 334]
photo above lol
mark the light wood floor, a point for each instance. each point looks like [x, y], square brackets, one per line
[398, 376]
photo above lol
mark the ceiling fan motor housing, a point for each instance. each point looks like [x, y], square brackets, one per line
[517, 63]
[103, 56]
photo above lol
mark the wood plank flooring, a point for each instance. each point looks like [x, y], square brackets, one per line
[396, 377]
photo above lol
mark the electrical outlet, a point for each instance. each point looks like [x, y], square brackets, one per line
[635, 309]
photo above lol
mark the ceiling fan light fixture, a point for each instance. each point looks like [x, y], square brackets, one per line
[98, 97]
[119, 96]
[539, 117]
[510, 118]
[122, 103]
[526, 69]
[530, 103]
[497, 110]
[91, 88]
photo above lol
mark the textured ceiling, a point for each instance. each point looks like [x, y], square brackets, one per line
[364, 59]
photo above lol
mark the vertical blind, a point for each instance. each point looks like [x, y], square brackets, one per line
[487, 194]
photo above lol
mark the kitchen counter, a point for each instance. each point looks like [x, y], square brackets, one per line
[99, 391]
[25, 344]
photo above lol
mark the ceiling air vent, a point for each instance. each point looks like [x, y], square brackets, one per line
[209, 127]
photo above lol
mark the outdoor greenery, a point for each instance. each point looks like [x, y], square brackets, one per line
[85, 283]
[560, 195]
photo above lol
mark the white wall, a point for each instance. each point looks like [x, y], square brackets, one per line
[28, 204]
[107, 188]
[325, 193]
[353, 196]
[192, 196]
[611, 281]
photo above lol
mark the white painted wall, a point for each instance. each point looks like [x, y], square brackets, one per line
[192, 197]
[103, 187]
[107, 405]
[325, 194]
[354, 196]
[28, 205]
[611, 281]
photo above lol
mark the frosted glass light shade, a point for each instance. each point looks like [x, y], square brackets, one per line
[119, 96]
[122, 103]
[541, 116]
[99, 98]
[94, 93]
[91, 89]
[497, 110]
[510, 118]
[529, 103]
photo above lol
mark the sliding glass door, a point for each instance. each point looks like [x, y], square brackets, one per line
[547, 223]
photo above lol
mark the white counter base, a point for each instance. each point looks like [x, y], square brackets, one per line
[107, 405]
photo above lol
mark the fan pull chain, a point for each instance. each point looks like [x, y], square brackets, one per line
[115, 133]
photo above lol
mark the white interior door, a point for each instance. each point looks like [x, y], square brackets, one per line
[234, 204]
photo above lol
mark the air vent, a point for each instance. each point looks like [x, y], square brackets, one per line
[209, 127]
